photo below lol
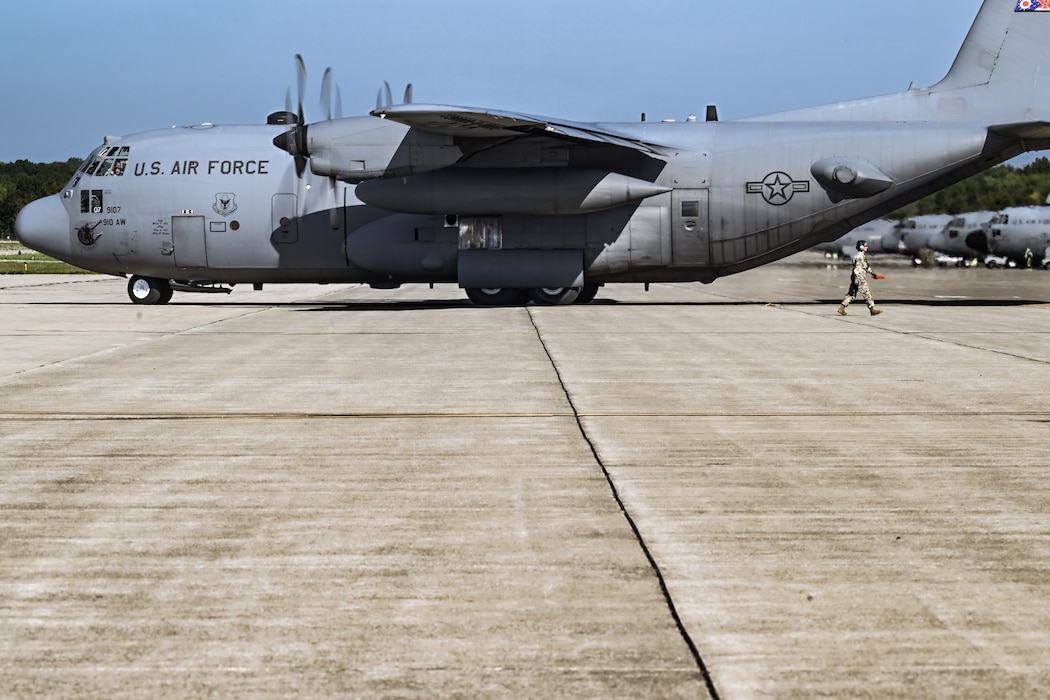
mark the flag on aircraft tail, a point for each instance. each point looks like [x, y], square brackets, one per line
[1032, 6]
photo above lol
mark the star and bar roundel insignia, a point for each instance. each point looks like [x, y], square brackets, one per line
[778, 188]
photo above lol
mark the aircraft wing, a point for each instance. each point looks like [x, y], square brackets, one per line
[468, 122]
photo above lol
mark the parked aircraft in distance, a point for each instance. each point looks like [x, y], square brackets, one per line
[966, 235]
[882, 235]
[514, 207]
[1023, 234]
[919, 233]
[1014, 237]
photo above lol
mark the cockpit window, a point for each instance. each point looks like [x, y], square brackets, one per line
[109, 160]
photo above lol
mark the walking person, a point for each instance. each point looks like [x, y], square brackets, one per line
[858, 283]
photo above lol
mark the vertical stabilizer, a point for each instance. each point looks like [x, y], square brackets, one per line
[980, 52]
[1001, 75]
[1002, 72]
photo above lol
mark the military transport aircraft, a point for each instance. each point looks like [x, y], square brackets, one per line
[882, 235]
[511, 206]
[1023, 234]
[922, 232]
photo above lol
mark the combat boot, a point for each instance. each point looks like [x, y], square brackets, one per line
[842, 310]
[875, 312]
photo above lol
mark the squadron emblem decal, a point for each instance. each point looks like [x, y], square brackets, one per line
[224, 204]
[777, 188]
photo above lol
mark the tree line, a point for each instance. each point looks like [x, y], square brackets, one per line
[21, 182]
[1001, 187]
[1004, 186]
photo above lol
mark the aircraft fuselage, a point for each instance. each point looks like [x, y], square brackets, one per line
[213, 204]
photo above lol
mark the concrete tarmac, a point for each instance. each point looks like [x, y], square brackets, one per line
[697, 491]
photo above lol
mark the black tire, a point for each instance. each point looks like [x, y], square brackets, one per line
[587, 293]
[554, 296]
[496, 296]
[149, 290]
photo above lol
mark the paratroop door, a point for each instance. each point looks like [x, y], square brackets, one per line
[690, 227]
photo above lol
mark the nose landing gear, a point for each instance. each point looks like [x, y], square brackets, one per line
[149, 290]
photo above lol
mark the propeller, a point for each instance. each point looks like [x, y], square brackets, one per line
[385, 99]
[300, 81]
[326, 97]
[294, 140]
[326, 104]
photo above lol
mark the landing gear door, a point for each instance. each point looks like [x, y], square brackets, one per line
[690, 227]
[191, 249]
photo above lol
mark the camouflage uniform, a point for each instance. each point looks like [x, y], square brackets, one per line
[859, 281]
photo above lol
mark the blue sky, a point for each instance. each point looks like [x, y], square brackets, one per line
[77, 70]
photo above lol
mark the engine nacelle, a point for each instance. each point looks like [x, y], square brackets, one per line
[362, 148]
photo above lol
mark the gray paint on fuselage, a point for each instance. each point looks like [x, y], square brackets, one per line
[712, 198]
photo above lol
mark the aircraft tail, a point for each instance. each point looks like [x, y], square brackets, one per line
[1002, 72]
[1001, 76]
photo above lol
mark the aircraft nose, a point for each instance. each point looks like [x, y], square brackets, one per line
[43, 225]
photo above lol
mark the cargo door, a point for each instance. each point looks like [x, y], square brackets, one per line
[191, 248]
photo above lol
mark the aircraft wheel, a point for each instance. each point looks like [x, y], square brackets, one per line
[587, 293]
[496, 296]
[149, 290]
[554, 296]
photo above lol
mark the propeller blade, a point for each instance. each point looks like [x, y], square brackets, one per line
[386, 93]
[326, 93]
[408, 94]
[335, 214]
[338, 103]
[300, 71]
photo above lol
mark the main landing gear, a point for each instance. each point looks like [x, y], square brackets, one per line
[544, 296]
